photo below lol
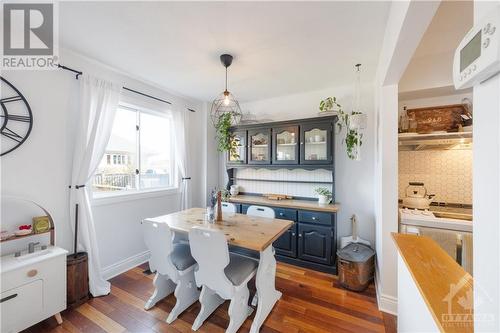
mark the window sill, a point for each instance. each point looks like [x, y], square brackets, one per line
[109, 199]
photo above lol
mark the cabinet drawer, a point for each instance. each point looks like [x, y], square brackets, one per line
[315, 217]
[286, 214]
[21, 306]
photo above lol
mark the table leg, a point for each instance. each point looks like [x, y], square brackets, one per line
[266, 292]
[163, 287]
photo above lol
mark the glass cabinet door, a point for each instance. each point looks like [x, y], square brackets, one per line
[286, 145]
[260, 146]
[238, 152]
[316, 144]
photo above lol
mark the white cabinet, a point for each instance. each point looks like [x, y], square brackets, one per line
[33, 288]
[22, 303]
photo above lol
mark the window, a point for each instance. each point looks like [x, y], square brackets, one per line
[139, 155]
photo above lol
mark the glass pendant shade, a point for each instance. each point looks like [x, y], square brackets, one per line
[225, 103]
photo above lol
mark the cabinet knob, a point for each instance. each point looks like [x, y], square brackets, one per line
[281, 214]
[300, 235]
[32, 272]
[293, 233]
[314, 218]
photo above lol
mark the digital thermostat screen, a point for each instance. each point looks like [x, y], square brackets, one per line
[470, 52]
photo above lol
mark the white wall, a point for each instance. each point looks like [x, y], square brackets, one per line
[406, 25]
[486, 175]
[354, 179]
[40, 168]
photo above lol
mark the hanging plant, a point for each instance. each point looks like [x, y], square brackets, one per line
[225, 140]
[352, 122]
[328, 105]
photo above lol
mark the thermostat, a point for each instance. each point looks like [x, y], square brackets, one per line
[477, 57]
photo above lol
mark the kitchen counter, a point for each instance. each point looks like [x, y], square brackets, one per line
[444, 286]
[450, 212]
[287, 203]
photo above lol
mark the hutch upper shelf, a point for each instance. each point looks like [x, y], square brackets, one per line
[304, 143]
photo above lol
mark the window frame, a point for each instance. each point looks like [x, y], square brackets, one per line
[102, 198]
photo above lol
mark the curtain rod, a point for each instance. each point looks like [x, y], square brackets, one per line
[78, 73]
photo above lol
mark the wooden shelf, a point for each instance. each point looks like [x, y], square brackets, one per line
[316, 143]
[29, 235]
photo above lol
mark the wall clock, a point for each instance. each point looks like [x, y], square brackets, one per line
[16, 118]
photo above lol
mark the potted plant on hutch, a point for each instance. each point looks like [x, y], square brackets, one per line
[324, 195]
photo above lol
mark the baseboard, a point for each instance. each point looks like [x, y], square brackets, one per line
[386, 303]
[122, 266]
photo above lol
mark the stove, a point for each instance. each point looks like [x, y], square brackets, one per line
[431, 219]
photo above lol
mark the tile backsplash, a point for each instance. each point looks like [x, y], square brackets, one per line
[256, 185]
[446, 173]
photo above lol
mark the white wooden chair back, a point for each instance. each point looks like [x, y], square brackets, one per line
[228, 207]
[261, 211]
[209, 249]
[159, 240]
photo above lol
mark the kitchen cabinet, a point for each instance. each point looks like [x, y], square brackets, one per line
[303, 143]
[310, 242]
[285, 145]
[239, 156]
[286, 244]
[315, 243]
[316, 143]
[259, 146]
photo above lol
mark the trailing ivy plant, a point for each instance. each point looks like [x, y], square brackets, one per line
[353, 138]
[226, 141]
[328, 104]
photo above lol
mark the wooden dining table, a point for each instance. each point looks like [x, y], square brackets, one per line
[249, 232]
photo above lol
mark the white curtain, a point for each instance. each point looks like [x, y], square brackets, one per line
[98, 103]
[180, 123]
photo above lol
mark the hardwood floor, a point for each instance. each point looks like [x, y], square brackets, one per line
[309, 304]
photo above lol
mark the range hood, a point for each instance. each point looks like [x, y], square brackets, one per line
[435, 141]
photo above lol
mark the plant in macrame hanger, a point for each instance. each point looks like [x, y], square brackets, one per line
[353, 123]
[356, 122]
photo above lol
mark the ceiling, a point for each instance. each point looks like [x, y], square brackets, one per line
[452, 21]
[431, 67]
[279, 48]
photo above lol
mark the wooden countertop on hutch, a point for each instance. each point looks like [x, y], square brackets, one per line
[435, 272]
[288, 203]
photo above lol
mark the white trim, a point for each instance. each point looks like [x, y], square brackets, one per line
[124, 265]
[386, 303]
[109, 199]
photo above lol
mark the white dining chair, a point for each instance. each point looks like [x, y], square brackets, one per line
[222, 276]
[174, 268]
[228, 207]
[261, 211]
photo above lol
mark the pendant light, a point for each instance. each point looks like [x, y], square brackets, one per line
[225, 103]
